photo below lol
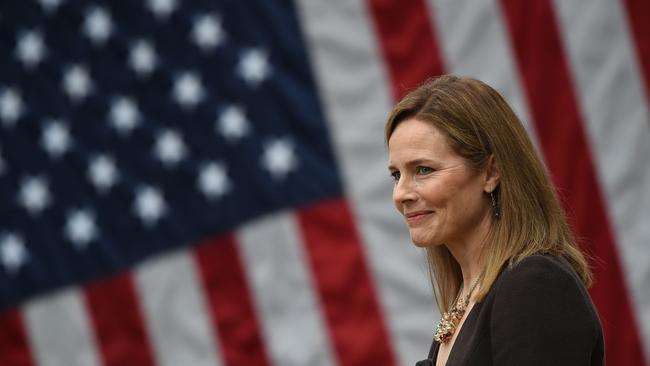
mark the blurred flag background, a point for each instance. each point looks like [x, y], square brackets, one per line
[205, 182]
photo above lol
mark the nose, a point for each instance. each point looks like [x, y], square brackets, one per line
[403, 193]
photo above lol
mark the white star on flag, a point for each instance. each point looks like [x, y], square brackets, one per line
[50, 6]
[124, 115]
[80, 228]
[34, 195]
[77, 83]
[162, 9]
[188, 90]
[98, 25]
[254, 66]
[213, 180]
[30, 48]
[11, 106]
[207, 32]
[142, 57]
[232, 123]
[170, 148]
[279, 158]
[12, 252]
[102, 172]
[149, 205]
[55, 139]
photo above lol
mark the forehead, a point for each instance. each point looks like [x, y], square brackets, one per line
[415, 137]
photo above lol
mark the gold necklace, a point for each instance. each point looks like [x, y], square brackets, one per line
[449, 321]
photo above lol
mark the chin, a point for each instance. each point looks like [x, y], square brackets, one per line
[422, 242]
[421, 245]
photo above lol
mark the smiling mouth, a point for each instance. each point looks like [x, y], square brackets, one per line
[415, 217]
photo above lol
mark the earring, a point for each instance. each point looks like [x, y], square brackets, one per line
[495, 208]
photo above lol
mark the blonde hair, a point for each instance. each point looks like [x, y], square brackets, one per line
[478, 124]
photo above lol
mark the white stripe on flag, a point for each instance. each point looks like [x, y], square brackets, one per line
[283, 291]
[610, 91]
[175, 312]
[59, 330]
[356, 94]
[474, 41]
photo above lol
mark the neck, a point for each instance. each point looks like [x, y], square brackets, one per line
[470, 266]
[467, 253]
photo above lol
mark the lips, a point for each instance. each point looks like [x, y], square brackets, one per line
[416, 216]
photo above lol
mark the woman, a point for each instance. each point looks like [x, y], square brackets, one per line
[506, 269]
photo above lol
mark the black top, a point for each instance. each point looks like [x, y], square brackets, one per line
[536, 313]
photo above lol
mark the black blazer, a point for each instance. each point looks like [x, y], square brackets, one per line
[536, 313]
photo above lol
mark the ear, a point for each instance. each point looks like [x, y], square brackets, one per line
[492, 175]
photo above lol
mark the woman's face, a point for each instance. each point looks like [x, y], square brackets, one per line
[441, 198]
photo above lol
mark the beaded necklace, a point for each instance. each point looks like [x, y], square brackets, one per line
[449, 321]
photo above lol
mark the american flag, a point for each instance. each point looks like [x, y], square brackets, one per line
[205, 182]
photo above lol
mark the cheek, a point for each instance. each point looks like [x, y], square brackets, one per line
[472, 206]
[437, 193]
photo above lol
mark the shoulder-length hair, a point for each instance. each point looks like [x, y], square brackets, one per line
[478, 124]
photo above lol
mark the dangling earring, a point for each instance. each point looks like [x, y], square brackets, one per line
[495, 208]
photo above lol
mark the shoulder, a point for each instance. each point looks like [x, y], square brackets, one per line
[538, 271]
[538, 309]
[542, 293]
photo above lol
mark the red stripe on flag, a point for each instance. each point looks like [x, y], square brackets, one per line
[542, 65]
[230, 303]
[344, 285]
[408, 42]
[117, 322]
[638, 12]
[14, 348]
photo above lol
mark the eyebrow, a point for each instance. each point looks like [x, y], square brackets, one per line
[412, 163]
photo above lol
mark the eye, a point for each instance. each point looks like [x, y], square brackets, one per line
[423, 170]
[395, 175]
